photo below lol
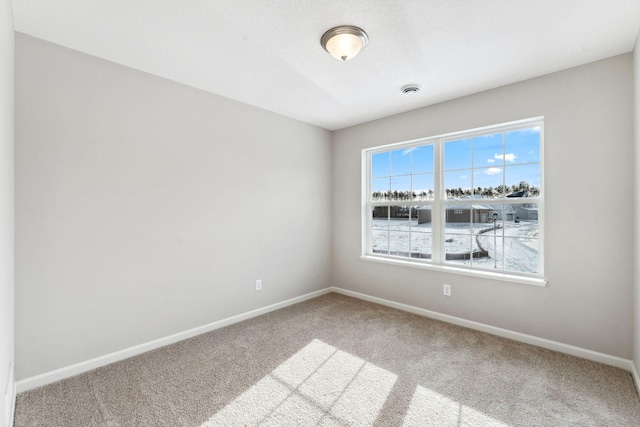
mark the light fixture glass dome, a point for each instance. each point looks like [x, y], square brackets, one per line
[344, 42]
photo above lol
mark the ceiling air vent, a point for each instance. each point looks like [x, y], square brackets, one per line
[410, 90]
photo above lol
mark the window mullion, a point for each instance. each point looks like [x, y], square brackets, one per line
[437, 219]
[365, 203]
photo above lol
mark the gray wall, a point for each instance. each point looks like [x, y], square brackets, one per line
[6, 200]
[146, 208]
[636, 299]
[589, 260]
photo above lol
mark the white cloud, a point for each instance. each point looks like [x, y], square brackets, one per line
[509, 157]
[493, 171]
[491, 160]
[409, 150]
[463, 177]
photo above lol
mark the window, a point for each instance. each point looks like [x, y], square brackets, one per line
[471, 200]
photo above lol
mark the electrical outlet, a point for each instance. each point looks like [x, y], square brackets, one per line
[258, 285]
[446, 290]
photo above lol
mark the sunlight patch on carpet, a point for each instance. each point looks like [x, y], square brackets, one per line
[320, 384]
[429, 408]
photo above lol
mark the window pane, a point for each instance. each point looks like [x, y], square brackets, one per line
[521, 255]
[457, 219]
[422, 159]
[522, 180]
[381, 213]
[401, 188]
[401, 213]
[481, 217]
[488, 151]
[509, 216]
[523, 146]
[401, 162]
[523, 217]
[423, 216]
[457, 184]
[380, 188]
[495, 214]
[488, 231]
[380, 164]
[423, 186]
[457, 154]
[380, 229]
[521, 232]
[458, 248]
[421, 241]
[490, 252]
[399, 243]
[379, 240]
[399, 226]
[486, 180]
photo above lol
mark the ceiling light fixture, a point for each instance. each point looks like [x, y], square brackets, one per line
[344, 42]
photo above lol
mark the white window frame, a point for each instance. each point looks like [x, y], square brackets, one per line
[439, 202]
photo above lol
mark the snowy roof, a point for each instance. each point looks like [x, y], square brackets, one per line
[507, 208]
[449, 207]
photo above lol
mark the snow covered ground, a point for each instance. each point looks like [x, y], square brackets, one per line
[515, 248]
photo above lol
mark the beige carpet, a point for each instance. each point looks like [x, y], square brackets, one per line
[338, 361]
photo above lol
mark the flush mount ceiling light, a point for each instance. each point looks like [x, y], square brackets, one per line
[344, 42]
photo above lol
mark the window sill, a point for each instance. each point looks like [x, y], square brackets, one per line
[534, 281]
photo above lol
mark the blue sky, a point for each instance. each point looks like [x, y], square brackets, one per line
[481, 161]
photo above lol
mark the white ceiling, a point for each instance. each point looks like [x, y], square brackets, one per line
[267, 53]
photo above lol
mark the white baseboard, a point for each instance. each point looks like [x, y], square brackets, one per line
[12, 407]
[10, 396]
[88, 365]
[636, 377]
[505, 333]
